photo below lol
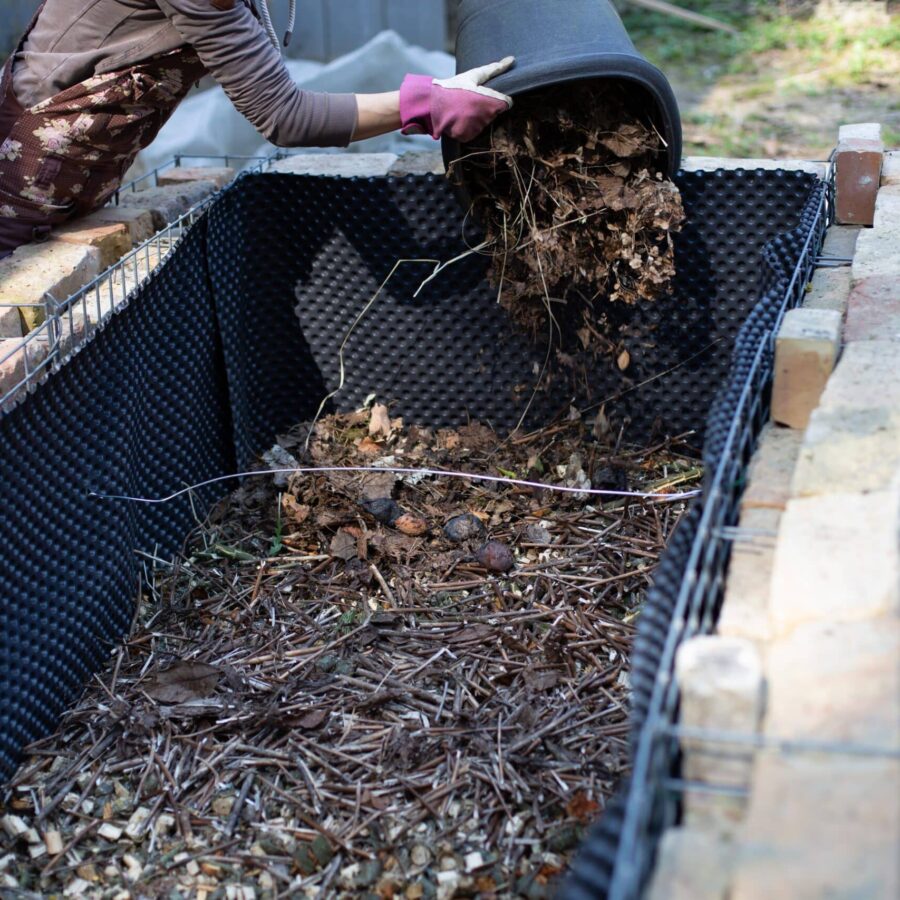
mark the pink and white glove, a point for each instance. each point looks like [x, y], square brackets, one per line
[459, 107]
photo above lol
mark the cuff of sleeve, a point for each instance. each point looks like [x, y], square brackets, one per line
[343, 118]
[415, 105]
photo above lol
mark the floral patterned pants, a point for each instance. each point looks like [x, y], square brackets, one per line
[67, 155]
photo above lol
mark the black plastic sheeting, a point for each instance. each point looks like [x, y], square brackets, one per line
[208, 360]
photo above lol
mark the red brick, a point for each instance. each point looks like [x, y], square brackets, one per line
[873, 311]
[857, 177]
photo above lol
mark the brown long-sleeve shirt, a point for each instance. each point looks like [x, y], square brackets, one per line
[76, 39]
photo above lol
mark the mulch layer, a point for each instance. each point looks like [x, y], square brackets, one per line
[363, 684]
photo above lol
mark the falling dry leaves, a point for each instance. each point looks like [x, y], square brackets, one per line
[572, 198]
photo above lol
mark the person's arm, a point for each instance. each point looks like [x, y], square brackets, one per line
[377, 114]
[460, 107]
[238, 54]
[236, 51]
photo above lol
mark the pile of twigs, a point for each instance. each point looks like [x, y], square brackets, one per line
[570, 191]
[322, 699]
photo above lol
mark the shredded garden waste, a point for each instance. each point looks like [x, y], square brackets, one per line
[576, 210]
[363, 685]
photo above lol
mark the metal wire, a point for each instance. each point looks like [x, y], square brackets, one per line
[68, 323]
[651, 805]
[400, 470]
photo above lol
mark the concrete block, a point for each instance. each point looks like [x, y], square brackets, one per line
[877, 248]
[139, 222]
[419, 162]
[721, 683]
[10, 322]
[711, 163]
[840, 241]
[745, 612]
[857, 168]
[837, 560]
[806, 351]
[218, 175]
[890, 169]
[830, 289]
[36, 269]
[112, 239]
[852, 443]
[17, 359]
[835, 681]
[817, 827]
[772, 469]
[866, 377]
[692, 864]
[849, 450]
[860, 131]
[873, 310]
[343, 165]
[166, 204]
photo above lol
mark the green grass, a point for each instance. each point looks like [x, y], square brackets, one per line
[669, 43]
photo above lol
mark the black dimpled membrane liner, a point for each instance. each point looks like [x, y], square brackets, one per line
[236, 337]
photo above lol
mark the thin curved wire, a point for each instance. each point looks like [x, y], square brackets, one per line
[399, 470]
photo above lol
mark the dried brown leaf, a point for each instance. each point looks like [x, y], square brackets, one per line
[183, 682]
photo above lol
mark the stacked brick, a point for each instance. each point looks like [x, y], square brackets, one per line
[803, 802]
[38, 276]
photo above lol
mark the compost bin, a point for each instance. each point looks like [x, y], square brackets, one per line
[560, 43]
[238, 336]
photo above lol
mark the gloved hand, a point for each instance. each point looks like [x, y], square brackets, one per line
[459, 107]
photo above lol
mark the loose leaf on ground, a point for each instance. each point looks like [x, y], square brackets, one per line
[183, 682]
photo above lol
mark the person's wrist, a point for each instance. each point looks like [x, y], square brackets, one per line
[415, 105]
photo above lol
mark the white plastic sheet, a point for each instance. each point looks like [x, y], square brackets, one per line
[206, 124]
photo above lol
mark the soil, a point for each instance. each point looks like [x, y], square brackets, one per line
[361, 684]
[576, 211]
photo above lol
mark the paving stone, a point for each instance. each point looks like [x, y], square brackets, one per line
[852, 442]
[840, 241]
[692, 864]
[876, 249]
[344, 165]
[36, 269]
[865, 377]
[857, 167]
[890, 169]
[771, 470]
[806, 351]
[139, 222]
[836, 681]
[218, 175]
[711, 163]
[745, 612]
[166, 204]
[860, 131]
[419, 162]
[821, 827]
[837, 560]
[112, 239]
[10, 322]
[17, 359]
[721, 682]
[873, 311]
[830, 289]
